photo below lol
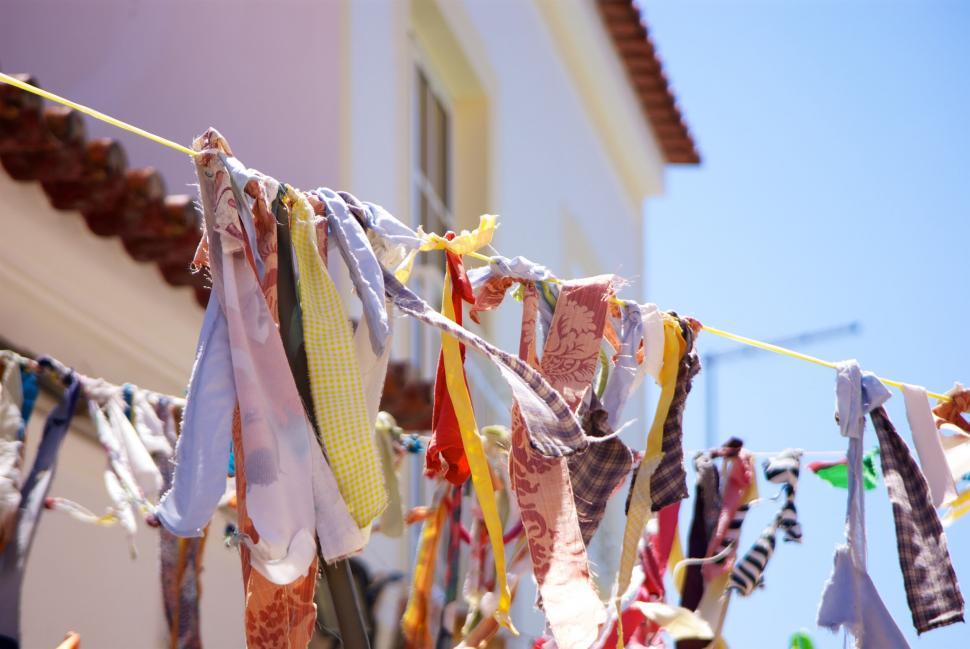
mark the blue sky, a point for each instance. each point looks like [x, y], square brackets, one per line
[835, 187]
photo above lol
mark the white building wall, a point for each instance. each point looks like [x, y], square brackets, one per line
[320, 92]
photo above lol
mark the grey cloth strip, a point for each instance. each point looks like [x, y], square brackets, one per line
[931, 584]
[669, 482]
[365, 271]
[13, 560]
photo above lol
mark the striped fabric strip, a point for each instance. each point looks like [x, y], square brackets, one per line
[783, 469]
[335, 379]
[731, 535]
[748, 573]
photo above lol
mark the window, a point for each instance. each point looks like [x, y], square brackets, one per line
[432, 204]
[433, 171]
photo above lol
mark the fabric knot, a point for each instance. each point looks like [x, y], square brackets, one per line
[466, 241]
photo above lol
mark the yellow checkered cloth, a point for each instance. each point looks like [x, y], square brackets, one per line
[335, 381]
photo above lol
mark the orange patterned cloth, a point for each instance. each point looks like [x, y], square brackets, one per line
[415, 623]
[276, 616]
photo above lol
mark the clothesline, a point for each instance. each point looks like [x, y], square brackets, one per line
[6, 78]
[88, 384]
[688, 452]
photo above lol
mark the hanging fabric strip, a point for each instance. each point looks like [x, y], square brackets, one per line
[416, 618]
[554, 430]
[931, 583]
[335, 377]
[181, 566]
[850, 599]
[11, 447]
[740, 488]
[640, 508]
[626, 374]
[446, 454]
[478, 465]
[932, 459]
[542, 485]
[950, 419]
[365, 270]
[668, 483]
[202, 450]
[783, 469]
[837, 473]
[336, 577]
[13, 559]
[748, 573]
[264, 599]
[180, 570]
[277, 473]
[283, 463]
[707, 506]
[597, 472]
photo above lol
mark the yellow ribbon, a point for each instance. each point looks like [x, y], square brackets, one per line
[466, 242]
[640, 502]
[335, 378]
[481, 477]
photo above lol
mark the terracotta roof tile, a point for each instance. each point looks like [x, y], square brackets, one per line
[645, 70]
[49, 145]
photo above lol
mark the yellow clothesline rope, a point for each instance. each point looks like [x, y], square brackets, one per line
[802, 357]
[96, 114]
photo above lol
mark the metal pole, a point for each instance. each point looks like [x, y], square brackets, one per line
[708, 362]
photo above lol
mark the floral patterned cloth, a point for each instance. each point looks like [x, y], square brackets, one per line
[541, 485]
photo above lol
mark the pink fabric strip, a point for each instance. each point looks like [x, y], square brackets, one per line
[541, 484]
[739, 480]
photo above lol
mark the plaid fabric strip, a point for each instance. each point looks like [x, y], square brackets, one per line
[668, 484]
[554, 430]
[931, 584]
[598, 471]
[338, 396]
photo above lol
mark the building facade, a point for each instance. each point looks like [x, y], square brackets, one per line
[554, 115]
